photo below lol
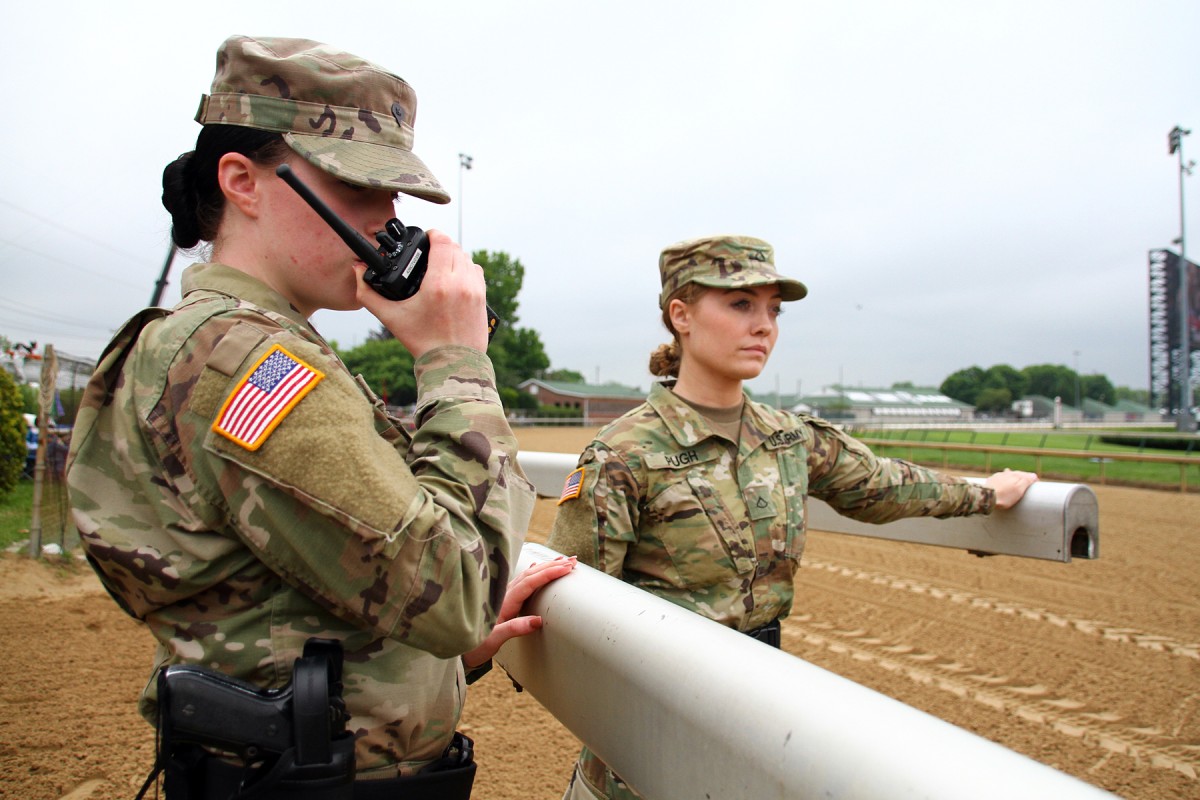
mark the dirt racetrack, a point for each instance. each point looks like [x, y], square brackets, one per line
[1092, 667]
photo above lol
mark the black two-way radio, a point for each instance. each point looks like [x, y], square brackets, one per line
[394, 269]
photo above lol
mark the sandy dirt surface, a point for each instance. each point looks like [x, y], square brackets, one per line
[1092, 667]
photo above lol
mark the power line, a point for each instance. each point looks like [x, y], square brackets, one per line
[70, 264]
[56, 319]
[58, 226]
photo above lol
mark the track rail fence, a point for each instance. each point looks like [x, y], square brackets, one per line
[1099, 457]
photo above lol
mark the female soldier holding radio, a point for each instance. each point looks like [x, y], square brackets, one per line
[239, 491]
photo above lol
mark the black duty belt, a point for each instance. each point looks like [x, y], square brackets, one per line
[448, 778]
[768, 633]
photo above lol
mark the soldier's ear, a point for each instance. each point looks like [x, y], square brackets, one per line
[680, 314]
[240, 182]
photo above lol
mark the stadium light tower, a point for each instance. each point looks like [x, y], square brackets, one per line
[1184, 421]
[464, 163]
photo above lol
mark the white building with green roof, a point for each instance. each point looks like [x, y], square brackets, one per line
[859, 405]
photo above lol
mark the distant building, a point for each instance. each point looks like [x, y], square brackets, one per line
[601, 403]
[788, 402]
[860, 406]
[1095, 411]
[1041, 408]
[24, 363]
[596, 403]
[1136, 412]
[1038, 407]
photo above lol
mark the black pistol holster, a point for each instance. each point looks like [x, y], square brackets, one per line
[220, 738]
[770, 633]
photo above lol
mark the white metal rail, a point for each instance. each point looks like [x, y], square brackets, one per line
[686, 709]
[1054, 521]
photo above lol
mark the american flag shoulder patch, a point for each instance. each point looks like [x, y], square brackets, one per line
[261, 400]
[572, 487]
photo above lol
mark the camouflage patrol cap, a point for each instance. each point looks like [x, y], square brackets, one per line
[342, 113]
[723, 262]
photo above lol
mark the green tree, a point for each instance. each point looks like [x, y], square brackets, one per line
[387, 367]
[1098, 387]
[982, 388]
[563, 376]
[963, 385]
[1002, 376]
[1052, 380]
[504, 276]
[517, 353]
[994, 400]
[12, 433]
[29, 397]
[1133, 395]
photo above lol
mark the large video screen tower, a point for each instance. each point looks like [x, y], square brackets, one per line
[1166, 351]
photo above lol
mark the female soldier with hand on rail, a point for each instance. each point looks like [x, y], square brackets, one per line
[698, 495]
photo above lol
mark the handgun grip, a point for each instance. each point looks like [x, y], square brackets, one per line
[208, 708]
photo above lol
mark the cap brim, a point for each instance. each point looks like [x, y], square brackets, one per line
[374, 166]
[789, 288]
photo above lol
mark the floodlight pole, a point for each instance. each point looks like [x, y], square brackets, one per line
[464, 162]
[1184, 420]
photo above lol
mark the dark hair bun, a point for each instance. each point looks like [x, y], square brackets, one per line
[179, 198]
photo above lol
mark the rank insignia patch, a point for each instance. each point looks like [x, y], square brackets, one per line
[264, 397]
[572, 487]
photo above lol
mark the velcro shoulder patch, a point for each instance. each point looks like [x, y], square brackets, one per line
[572, 486]
[264, 397]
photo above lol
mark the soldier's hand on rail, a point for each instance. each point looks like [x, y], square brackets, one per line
[510, 623]
[1010, 486]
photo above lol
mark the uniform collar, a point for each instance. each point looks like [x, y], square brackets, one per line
[689, 428]
[684, 422]
[759, 423]
[238, 285]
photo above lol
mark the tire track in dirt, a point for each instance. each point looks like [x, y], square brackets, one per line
[1116, 633]
[1032, 702]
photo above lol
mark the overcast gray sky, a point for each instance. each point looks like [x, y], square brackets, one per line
[958, 183]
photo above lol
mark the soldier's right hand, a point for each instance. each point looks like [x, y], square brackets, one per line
[449, 309]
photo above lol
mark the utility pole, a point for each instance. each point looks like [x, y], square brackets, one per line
[1184, 422]
[161, 284]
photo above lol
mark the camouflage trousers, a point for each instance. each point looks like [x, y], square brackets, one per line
[593, 780]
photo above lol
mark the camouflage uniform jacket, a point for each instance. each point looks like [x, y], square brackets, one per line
[671, 507]
[338, 523]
